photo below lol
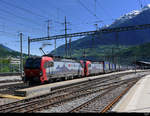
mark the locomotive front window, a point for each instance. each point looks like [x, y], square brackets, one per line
[51, 64]
[33, 63]
[48, 64]
[89, 65]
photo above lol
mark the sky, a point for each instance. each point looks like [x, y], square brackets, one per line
[30, 18]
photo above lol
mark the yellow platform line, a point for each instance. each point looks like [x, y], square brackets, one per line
[11, 96]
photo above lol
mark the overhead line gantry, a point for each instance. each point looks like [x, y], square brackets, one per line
[108, 30]
[101, 31]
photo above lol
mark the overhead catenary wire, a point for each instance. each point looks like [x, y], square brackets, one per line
[13, 20]
[21, 24]
[140, 3]
[7, 11]
[91, 12]
[9, 33]
[23, 9]
[106, 12]
[60, 9]
[95, 2]
[20, 17]
[30, 4]
[31, 21]
[40, 9]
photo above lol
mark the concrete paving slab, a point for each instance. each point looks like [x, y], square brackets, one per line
[137, 99]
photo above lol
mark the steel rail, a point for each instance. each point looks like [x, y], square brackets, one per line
[38, 98]
[65, 89]
[38, 101]
[116, 99]
[80, 93]
[92, 100]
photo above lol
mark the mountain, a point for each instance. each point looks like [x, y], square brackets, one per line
[133, 18]
[99, 43]
[8, 49]
[139, 52]
[6, 52]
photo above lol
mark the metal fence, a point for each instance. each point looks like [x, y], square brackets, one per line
[9, 68]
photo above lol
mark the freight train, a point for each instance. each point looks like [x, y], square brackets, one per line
[48, 69]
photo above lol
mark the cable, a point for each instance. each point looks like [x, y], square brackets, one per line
[57, 8]
[95, 1]
[29, 4]
[145, 2]
[93, 14]
[1, 17]
[23, 9]
[105, 10]
[60, 9]
[8, 33]
[40, 10]
[29, 29]
[29, 20]
[140, 3]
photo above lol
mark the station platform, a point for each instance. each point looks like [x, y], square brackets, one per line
[44, 89]
[11, 96]
[137, 100]
[5, 78]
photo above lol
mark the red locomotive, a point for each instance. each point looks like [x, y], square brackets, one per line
[48, 69]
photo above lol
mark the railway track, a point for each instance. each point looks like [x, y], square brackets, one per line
[101, 103]
[54, 93]
[10, 74]
[90, 91]
[10, 81]
[40, 103]
[114, 101]
[9, 89]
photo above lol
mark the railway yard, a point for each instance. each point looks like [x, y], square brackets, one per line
[74, 56]
[96, 94]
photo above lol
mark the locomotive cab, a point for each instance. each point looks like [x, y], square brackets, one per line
[32, 69]
[35, 69]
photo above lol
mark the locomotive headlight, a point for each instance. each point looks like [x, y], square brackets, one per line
[41, 73]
